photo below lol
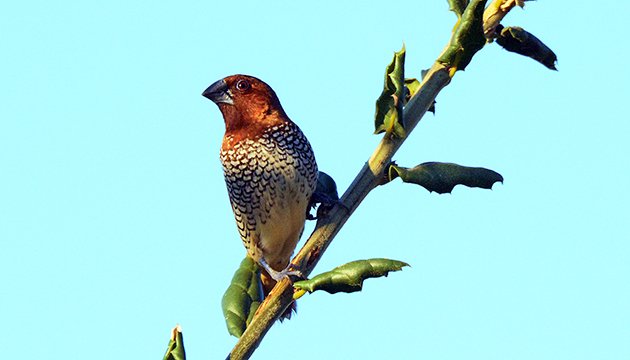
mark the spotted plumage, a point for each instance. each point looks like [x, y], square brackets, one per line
[269, 167]
[270, 180]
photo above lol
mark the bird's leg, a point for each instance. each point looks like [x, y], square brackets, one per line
[279, 275]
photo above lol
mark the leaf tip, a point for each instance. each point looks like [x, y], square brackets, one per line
[402, 50]
[176, 330]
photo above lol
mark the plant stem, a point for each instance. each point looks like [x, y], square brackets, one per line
[368, 178]
[371, 175]
[495, 12]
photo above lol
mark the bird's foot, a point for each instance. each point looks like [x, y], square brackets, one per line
[279, 275]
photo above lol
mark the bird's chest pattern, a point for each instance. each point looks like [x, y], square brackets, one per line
[267, 177]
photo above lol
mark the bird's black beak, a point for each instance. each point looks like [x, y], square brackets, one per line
[218, 93]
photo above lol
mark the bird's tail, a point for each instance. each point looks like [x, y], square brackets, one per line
[267, 284]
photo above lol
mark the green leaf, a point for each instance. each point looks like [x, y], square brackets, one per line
[467, 37]
[242, 297]
[457, 6]
[389, 105]
[349, 277]
[175, 349]
[443, 177]
[519, 41]
[413, 86]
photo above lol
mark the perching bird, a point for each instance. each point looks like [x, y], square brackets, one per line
[269, 169]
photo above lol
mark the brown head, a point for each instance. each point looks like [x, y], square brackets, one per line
[248, 104]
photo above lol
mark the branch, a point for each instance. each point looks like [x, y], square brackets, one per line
[495, 12]
[371, 175]
[368, 178]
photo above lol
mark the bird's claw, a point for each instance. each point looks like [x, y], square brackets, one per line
[279, 275]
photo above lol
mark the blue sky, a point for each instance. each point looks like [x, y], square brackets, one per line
[114, 218]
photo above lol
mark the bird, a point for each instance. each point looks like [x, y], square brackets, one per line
[269, 169]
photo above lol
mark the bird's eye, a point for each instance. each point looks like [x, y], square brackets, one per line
[242, 85]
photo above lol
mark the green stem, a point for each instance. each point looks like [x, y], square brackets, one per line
[495, 12]
[371, 175]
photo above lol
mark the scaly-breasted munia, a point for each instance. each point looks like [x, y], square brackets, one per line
[269, 169]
